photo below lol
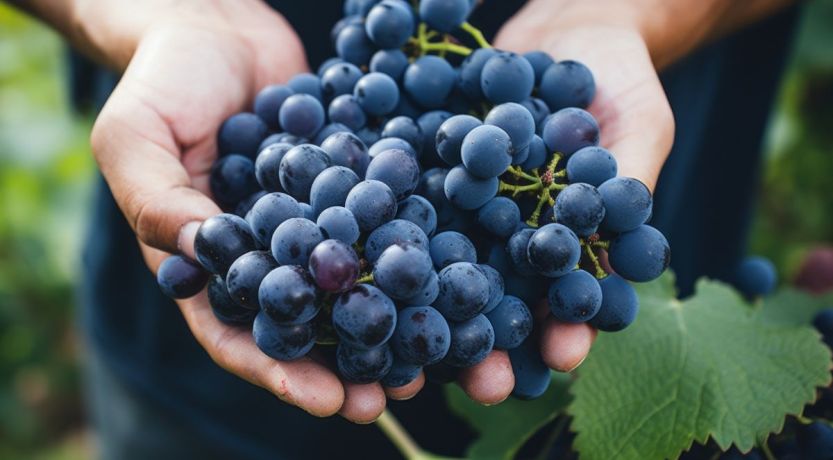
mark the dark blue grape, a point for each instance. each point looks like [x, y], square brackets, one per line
[232, 179]
[815, 441]
[471, 341]
[294, 240]
[427, 294]
[282, 342]
[447, 248]
[450, 135]
[429, 123]
[406, 107]
[507, 77]
[486, 151]
[325, 66]
[243, 207]
[331, 187]
[401, 373]
[288, 295]
[754, 276]
[388, 234]
[642, 254]
[403, 270]
[358, 8]
[245, 275]
[242, 134]
[569, 130]
[390, 24]
[420, 211]
[498, 258]
[267, 166]
[516, 248]
[823, 322]
[224, 308]
[328, 130]
[580, 207]
[496, 287]
[532, 376]
[302, 115]
[444, 15]
[363, 366]
[180, 277]
[220, 240]
[467, 191]
[620, 305]
[628, 204]
[540, 62]
[339, 79]
[353, 45]
[422, 336]
[269, 212]
[516, 121]
[537, 155]
[364, 317]
[390, 62]
[377, 93]
[575, 297]
[305, 83]
[271, 139]
[471, 70]
[538, 109]
[432, 187]
[334, 266]
[268, 104]
[346, 149]
[591, 165]
[345, 109]
[372, 203]
[290, 139]
[553, 250]
[397, 169]
[464, 291]
[299, 168]
[530, 289]
[307, 211]
[339, 223]
[404, 128]
[429, 81]
[391, 143]
[511, 321]
[567, 84]
[368, 135]
[499, 216]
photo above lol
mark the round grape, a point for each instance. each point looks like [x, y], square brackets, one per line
[302, 115]
[224, 308]
[242, 134]
[232, 179]
[471, 342]
[377, 93]
[393, 232]
[450, 135]
[180, 278]
[620, 305]
[403, 271]
[511, 321]
[269, 212]
[429, 81]
[507, 77]
[331, 187]
[447, 248]
[580, 207]
[464, 291]
[420, 211]
[372, 203]
[499, 216]
[569, 130]
[554, 250]
[628, 204]
[398, 169]
[567, 84]
[575, 297]
[289, 295]
[282, 342]
[340, 224]
[591, 165]
[364, 317]
[345, 109]
[299, 168]
[268, 104]
[245, 275]
[390, 24]
[422, 336]
[220, 240]
[467, 191]
[515, 120]
[363, 366]
[294, 240]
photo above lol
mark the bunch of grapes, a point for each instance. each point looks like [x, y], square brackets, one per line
[404, 207]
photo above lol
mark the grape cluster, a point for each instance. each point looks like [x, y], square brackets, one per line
[409, 201]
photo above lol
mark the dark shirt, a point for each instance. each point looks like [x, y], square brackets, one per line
[721, 98]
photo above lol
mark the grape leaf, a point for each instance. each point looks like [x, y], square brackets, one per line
[792, 307]
[709, 366]
[504, 428]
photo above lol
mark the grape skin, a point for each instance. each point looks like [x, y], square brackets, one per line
[553, 250]
[511, 321]
[486, 151]
[467, 191]
[591, 165]
[180, 278]
[288, 295]
[302, 115]
[334, 266]
[245, 275]
[451, 247]
[269, 212]
[393, 232]
[499, 216]
[396, 168]
[267, 166]
[471, 342]
[515, 120]
[331, 187]
[496, 287]
[640, 255]
[569, 130]
[620, 305]
[628, 204]
[507, 77]
[403, 270]
[340, 224]
[422, 336]
[268, 104]
[346, 149]
[580, 208]
[372, 203]
[224, 308]
[363, 366]
[575, 297]
[418, 210]
[450, 135]
[220, 240]
[294, 240]
[242, 134]
[464, 291]
[364, 317]
[284, 343]
[232, 179]
[532, 376]
[299, 168]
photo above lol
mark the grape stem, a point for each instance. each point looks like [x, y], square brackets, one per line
[536, 214]
[365, 279]
[516, 189]
[476, 34]
[519, 173]
[588, 249]
[423, 35]
[601, 245]
[401, 439]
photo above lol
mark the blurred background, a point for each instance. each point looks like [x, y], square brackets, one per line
[46, 172]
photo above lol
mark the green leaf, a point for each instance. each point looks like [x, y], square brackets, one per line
[709, 366]
[794, 308]
[504, 428]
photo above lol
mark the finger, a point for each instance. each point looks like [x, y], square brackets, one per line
[491, 381]
[363, 404]
[406, 391]
[565, 346]
[303, 383]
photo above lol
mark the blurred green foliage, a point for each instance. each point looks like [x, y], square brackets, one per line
[46, 172]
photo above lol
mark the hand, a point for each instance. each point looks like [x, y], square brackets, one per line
[196, 63]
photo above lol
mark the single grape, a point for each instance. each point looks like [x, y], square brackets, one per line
[353, 45]
[628, 204]
[530, 289]
[180, 277]
[507, 77]
[444, 15]
[302, 115]
[372, 203]
[242, 134]
[499, 216]
[447, 248]
[330, 62]
[363, 366]
[346, 149]
[393, 232]
[339, 79]
[340, 224]
[620, 305]
[567, 84]
[369, 135]
[511, 321]
[299, 168]
[540, 62]
[516, 121]
[401, 373]
[472, 69]
[538, 109]
[390, 24]
[429, 81]
[289, 139]
[467, 191]
[464, 291]
[554, 250]
[243, 207]
[345, 109]
[429, 123]
[498, 258]
[271, 139]
[288, 295]
[268, 104]
[537, 155]
[404, 128]
[220, 240]
[328, 130]
[569, 130]
[364, 317]
[753, 276]
[390, 62]
[580, 207]
[398, 169]
[427, 294]
[282, 342]
[432, 187]
[641, 254]
[532, 376]
[245, 275]
[331, 187]
[471, 342]
[305, 83]
[334, 266]
[486, 151]
[377, 93]
[306, 209]
[358, 8]
[267, 166]
[269, 212]
[391, 143]
[420, 211]
[591, 165]
[294, 240]
[422, 336]
[516, 248]
[403, 270]
[232, 179]
[575, 297]
[224, 308]
[823, 322]
[450, 135]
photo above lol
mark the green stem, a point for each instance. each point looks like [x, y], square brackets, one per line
[516, 189]
[536, 214]
[602, 245]
[600, 273]
[562, 173]
[366, 278]
[446, 47]
[519, 173]
[555, 186]
[399, 437]
[476, 34]
[765, 449]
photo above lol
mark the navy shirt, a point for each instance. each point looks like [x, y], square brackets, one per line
[721, 97]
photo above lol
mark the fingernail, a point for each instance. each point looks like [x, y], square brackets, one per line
[185, 241]
[577, 365]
